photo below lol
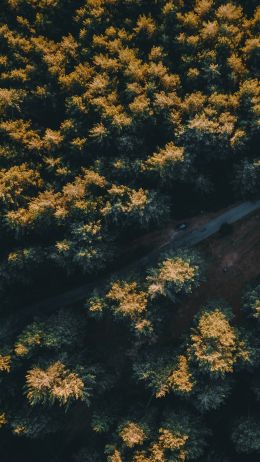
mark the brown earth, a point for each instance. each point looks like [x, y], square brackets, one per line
[233, 263]
[154, 239]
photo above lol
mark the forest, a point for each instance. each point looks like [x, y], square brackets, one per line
[117, 119]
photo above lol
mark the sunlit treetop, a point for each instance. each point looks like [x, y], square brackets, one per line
[176, 437]
[179, 379]
[56, 383]
[175, 275]
[3, 419]
[132, 434]
[215, 344]
[129, 301]
[5, 363]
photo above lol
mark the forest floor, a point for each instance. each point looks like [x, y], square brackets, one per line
[233, 263]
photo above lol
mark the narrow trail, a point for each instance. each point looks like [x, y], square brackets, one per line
[188, 238]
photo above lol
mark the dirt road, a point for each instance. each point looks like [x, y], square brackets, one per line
[188, 238]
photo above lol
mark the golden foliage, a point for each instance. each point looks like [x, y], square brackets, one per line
[115, 457]
[229, 12]
[168, 440]
[193, 73]
[215, 344]
[223, 124]
[140, 104]
[3, 419]
[5, 363]
[20, 131]
[55, 382]
[19, 430]
[143, 326]
[193, 102]
[95, 305]
[189, 19]
[129, 300]
[99, 131]
[236, 64]
[180, 379]
[127, 200]
[132, 434]
[251, 45]
[168, 155]
[17, 180]
[174, 271]
[202, 7]
[52, 139]
[20, 349]
[209, 30]
[145, 24]
[10, 99]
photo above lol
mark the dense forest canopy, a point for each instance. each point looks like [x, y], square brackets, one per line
[117, 116]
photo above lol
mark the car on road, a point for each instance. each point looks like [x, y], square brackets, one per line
[182, 226]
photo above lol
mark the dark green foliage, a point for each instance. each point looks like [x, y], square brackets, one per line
[117, 116]
[246, 435]
[252, 304]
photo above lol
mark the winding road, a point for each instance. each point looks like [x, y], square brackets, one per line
[187, 238]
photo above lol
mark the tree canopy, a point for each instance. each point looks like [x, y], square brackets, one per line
[118, 118]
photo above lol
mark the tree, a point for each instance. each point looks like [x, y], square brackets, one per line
[115, 118]
[247, 178]
[177, 438]
[215, 345]
[169, 162]
[132, 434]
[177, 275]
[246, 435]
[131, 302]
[55, 383]
[252, 303]
[166, 373]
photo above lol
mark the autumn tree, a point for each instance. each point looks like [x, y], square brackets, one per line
[176, 275]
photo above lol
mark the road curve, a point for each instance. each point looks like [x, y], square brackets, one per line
[183, 239]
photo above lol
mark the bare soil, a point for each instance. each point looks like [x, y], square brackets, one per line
[233, 263]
